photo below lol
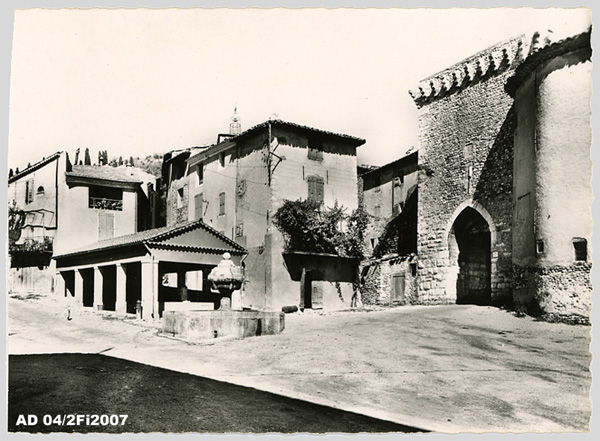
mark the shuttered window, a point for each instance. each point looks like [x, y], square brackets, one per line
[221, 203]
[29, 191]
[106, 225]
[316, 188]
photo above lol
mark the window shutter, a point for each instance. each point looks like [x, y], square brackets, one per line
[320, 190]
[29, 191]
[222, 203]
[316, 188]
[311, 189]
[106, 225]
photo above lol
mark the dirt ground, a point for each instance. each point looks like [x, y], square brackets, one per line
[159, 400]
[446, 369]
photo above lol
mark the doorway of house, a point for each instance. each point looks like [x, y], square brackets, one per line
[470, 248]
[313, 292]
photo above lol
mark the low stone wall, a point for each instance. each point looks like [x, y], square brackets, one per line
[561, 290]
[203, 325]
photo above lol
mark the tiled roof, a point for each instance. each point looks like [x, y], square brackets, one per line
[151, 236]
[173, 154]
[107, 173]
[277, 122]
[542, 50]
[34, 167]
[411, 157]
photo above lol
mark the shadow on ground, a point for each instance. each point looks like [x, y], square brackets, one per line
[160, 400]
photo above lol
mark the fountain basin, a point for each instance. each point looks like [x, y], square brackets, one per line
[204, 325]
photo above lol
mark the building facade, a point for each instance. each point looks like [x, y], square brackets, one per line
[58, 207]
[465, 180]
[389, 193]
[236, 186]
[552, 220]
[501, 219]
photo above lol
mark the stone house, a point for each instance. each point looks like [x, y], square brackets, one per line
[388, 192]
[496, 205]
[62, 206]
[389, 195]
[235, 187]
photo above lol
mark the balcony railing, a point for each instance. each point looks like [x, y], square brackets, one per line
[106, 204]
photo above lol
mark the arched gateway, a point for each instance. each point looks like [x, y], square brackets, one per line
[470, 240]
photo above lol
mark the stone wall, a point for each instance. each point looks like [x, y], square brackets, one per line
[378, 281]
[178, 201]
[561, 289]
[465, 160]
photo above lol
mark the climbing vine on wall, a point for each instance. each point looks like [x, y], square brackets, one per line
[309, 227]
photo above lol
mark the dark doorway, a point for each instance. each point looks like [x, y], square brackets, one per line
[470, 244]
[133, 285]
[109, 287]
[313, 294]
[88, 286]
[69, 278]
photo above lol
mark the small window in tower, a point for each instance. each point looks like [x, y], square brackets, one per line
[468, 151]
[580, 248]
[539, 247]
[179, 197]
[40, 190]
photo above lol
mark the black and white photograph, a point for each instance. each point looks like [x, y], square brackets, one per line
[270, 220]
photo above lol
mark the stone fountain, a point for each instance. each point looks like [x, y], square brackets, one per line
[229, 320]
[226, 278]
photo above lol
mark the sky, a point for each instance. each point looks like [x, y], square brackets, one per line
[141, 81]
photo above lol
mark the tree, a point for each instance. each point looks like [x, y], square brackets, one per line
[88, 159]
[10, 173]
[131, 161]
[120, 160]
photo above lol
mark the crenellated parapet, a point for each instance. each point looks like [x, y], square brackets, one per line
[479, 67]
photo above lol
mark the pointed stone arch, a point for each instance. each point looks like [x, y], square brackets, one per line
[470, 235]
